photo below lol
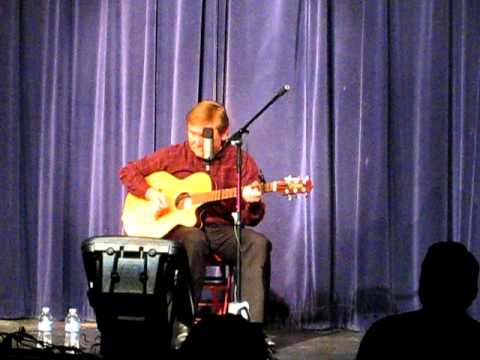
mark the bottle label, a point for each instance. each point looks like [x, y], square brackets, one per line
[72, 326]
[45, 325]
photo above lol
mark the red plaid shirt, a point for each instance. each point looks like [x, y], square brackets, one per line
[181, 162]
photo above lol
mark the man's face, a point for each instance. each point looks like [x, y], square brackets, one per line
[195, 138]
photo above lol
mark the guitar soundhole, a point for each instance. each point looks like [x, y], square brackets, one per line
[183, 201]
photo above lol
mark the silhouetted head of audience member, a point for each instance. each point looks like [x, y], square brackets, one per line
[442, 329]
[225, 337]
[449, 278]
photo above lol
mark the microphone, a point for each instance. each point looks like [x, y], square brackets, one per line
[207, 147]
[283, 90]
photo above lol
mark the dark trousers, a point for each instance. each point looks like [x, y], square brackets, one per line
[220, 239]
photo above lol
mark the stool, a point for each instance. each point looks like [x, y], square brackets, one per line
[217, 287]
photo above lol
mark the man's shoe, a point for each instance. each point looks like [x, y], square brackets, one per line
[270, 348]
[182, 333]
[270, 343]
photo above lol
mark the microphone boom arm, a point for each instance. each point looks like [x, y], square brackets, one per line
[244, 129]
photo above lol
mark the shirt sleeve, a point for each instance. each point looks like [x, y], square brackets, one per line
[252, 213]
[133, 174]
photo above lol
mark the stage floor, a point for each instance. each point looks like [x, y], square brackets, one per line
[291, 345]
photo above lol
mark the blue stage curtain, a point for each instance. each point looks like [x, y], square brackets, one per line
[383, 115]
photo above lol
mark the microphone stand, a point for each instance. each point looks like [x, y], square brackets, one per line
[236, 140]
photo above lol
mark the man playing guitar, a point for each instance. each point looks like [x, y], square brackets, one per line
[216, 235]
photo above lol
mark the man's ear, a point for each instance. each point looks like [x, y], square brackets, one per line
[224, 136]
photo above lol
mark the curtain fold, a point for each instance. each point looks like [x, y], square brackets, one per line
[14, 289]
[383, 115]
[465, 110]
[361, 151]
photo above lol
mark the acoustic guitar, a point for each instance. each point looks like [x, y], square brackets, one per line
[185, 197]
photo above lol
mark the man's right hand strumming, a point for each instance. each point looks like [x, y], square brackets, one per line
[158, 200]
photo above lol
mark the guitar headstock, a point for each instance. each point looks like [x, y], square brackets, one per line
[292, 186]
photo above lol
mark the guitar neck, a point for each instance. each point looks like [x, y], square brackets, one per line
[230, 193]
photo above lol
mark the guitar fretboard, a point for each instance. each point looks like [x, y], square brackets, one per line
[230, 193]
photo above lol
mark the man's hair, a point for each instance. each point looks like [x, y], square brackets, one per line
[209, 112]
[449, 277]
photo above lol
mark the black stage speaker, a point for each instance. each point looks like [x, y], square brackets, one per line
[138, 287]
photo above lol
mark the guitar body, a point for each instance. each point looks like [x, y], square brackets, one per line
[141, 219]
[184, 197]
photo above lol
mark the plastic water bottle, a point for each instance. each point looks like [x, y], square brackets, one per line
[72, 329]
[45, 326]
